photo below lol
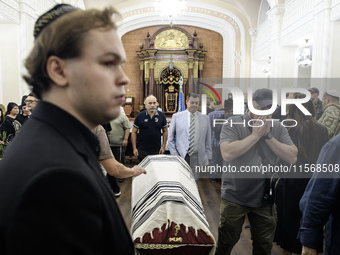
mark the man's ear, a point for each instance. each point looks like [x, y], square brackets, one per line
[56, 70]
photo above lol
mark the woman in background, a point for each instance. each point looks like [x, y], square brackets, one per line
[7, 126]
[22, 117]
[309, 137]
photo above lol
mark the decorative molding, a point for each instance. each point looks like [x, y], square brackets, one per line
[159, 67]
[252, 33]
[297, 22]
[11, 3]
[171, 39]
[237, 58]
[300, 29]
[224, 29]
[10, 10]
[222, 21]
[27, 7]
[42, 6]
[335, 12]
[296, 10]
[321, 6]
[275, 15]
[262, 46]
[190, 9]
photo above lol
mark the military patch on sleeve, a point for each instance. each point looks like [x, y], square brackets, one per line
[329, 121]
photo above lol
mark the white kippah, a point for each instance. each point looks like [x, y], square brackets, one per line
[333, 93]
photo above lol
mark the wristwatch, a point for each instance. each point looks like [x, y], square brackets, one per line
[268, 136]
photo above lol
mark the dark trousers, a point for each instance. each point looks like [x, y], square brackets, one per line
[261, 219]
[118, 153]
[193, 162]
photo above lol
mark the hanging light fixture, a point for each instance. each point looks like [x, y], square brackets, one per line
[266, 69]
[305, 57]
[170, 9]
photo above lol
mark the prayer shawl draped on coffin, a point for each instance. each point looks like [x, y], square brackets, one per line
[167, 212]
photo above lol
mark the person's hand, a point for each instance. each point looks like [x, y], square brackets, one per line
[257, 129]
[135, 152]
[137, 170]
[161, 150]
[1, 142]
[125, 143]
[267, 124]
[308, 251]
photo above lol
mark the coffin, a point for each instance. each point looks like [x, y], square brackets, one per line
[167, 212]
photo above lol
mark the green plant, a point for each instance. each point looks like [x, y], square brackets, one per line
[2, 144]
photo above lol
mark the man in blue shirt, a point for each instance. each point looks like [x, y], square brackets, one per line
[320, 204]
[149, 123]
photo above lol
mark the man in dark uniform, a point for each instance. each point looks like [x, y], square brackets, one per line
[151, 125]
[54, 198]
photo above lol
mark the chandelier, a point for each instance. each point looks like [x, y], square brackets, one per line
[170, 9]
[305, 57]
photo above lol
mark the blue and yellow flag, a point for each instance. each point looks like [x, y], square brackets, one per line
[181, 106]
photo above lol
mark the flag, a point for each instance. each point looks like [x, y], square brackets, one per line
[181, 106]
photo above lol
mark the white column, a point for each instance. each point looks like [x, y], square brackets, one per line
[321, 67]
[335, 49]
[28, 17]
[275, 16]
[253, 33]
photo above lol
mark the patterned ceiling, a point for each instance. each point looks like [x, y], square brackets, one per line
[249, 8]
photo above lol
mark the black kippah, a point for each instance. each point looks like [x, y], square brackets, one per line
[50, 16]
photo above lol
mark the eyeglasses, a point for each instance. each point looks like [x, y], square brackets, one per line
[30, 101]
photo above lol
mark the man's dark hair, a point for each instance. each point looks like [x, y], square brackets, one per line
[192, 94]
[305, 129]
[23, 100]
[32, 95]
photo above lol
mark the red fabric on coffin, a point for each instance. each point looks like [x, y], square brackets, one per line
[182, 250]
[189, 243]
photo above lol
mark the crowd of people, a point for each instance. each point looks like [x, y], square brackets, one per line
[54, 198]
[280, 211]
[14, 116]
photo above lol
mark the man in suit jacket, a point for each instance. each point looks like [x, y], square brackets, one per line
[54, 198]
[179, 135]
